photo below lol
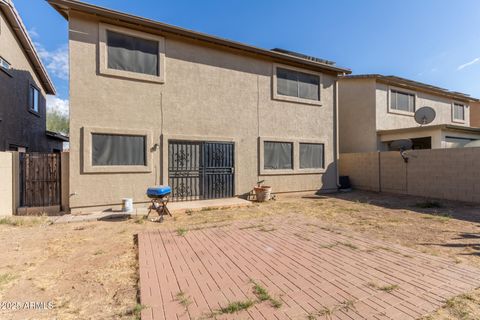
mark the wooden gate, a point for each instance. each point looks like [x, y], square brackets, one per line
[40, 179]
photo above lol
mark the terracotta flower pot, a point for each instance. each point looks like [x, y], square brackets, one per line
[263, 193]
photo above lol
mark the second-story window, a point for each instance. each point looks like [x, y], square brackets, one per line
[33, 97]
[402, 101]
[132, 54]
[4, 64]
[458, 112]
[298, 84]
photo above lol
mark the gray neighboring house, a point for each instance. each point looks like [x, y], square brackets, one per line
[375, 110]
[24, 83]
[151, 103]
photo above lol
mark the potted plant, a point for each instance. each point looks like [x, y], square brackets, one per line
[262, 193]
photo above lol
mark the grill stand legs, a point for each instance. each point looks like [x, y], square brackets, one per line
[160, 206]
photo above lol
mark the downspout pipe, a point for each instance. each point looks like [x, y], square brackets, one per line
[335, 132]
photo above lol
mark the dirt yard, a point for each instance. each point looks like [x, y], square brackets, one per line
[89, 270]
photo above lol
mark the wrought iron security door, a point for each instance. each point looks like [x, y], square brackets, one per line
[200, 170]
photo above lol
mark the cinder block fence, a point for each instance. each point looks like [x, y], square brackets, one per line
[452, 174]
[7, 206]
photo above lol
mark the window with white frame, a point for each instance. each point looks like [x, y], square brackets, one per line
[118, 150]
[33, 97]
[298, 84]
[278, 155]
[402, 101]
[311, 155]
[4, 64]
[458, 112]
[130, 53]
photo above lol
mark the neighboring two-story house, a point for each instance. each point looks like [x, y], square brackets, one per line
[151, 103]
[24, 84]
[375, 110]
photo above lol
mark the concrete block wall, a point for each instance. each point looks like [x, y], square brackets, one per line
[362, 168]
[452, 174]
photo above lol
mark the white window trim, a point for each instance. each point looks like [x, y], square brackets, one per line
[103, 54]
[281, 97]
[88, 167]
[5, 64]
[295, 157]
[401, 112]
[464, 120]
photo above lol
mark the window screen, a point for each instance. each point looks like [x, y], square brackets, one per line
[277, 155]
[458, 111]
[298, 84]
[311, 155]
[33, 98]
[402, 101]
[118, 150]
[132, 53]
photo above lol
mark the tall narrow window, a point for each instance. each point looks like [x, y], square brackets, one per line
[458, 112]
[33, 99]
[298, 84]
[118, 150]
[402, 101]
[311, 155]
[278, 155]
[132, 54]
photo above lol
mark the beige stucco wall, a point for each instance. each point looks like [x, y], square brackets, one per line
[11, 50]
[6, 184]
[356, 114]
[65, 176]
[208, 94]
[451, 174]
[386, 120]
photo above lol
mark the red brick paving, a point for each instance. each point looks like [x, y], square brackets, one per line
[312, 270]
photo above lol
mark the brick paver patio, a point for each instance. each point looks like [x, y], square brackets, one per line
[316, 272]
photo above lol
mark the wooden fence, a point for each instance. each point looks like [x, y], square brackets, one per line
[40, 179]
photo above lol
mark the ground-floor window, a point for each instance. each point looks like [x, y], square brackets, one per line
[278, 155]
[311, 155]
[456, 142]
[14, 147]
[118, 150]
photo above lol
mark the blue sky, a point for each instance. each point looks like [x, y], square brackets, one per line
[432, 41]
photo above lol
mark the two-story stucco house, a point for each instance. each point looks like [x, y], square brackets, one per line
[151, 104]
[24, 84]
[375, 110]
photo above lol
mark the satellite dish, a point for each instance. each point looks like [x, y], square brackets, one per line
[401, 145]
[425, 115]
[472, 144]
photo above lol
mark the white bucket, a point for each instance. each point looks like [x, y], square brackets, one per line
[127, 204]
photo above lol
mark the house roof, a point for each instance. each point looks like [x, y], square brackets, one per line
[18, 27]
[411, 84]
[56, 135]
[449, 127]
[64, 6]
